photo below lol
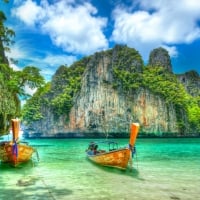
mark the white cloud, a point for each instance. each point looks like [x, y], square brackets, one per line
[28, 12]
[171, 50]
[56, 60]
[15, 67]
[48, 63]
[74, 28]
[29, 90]
[157, 23]
[18, 51]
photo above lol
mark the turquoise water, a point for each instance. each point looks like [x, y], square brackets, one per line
[163, 169]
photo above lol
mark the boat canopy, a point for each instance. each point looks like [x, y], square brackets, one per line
[111, 144]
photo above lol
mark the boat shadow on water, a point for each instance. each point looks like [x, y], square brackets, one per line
[132, 172]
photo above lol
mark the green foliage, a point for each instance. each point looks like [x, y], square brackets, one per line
[32, 109]
[12, 83]
[71, 83]
[6, 34]
[17, 80]
[192, 80]
[57, 97]
[127, 59]
[193, 109]
[161, 82]
[127, 68]
[128, 81]
[165, 84]
[30, 76]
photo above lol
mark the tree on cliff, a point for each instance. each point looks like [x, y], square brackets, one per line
[12, 83]
[57, 96]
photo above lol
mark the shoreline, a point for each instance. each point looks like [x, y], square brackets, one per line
[139, 137]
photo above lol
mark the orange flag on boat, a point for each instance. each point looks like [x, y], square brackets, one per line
[134, 133]
[15, 129]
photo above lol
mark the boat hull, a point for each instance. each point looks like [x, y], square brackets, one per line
[116, 158]
[24, 153]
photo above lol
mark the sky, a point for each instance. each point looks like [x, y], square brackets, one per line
[50, 33]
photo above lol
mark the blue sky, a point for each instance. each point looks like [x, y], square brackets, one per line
[50, 33]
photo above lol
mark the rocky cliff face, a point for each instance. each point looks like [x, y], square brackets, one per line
[160, 57]
[99, 109]
[98, 106]
[191, 82]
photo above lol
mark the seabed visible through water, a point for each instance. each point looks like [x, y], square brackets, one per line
[167, 169]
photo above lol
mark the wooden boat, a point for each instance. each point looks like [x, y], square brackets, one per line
[114, 157]
[15, 152]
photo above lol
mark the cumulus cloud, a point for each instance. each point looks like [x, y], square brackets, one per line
[74, 28]
[157, 23]
[29, 12]
[171, 50]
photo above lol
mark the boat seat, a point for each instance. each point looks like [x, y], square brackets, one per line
[112, 149]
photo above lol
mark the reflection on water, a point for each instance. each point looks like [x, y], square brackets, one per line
[163, 169]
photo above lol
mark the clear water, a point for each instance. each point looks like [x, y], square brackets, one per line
[163, 169]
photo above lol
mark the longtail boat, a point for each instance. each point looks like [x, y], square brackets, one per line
[15, 152]
[114, 157]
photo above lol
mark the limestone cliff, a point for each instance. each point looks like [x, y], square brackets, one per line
[103, 106]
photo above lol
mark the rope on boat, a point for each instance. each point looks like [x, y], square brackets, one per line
[15, 152]
[136, 157]
[37, 155]
[133, 152]
[15, 149]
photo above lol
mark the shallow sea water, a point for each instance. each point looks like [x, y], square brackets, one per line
[167, 169]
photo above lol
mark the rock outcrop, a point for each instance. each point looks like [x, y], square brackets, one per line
[101, 108]
[160, 57]
[191, 81]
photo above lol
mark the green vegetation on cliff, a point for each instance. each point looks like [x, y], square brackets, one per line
[193, 109]
[69, 79]
[165, 84]
[160, 81]
[58, 95]
[32, 109]
[128, 75]
[127, 68]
